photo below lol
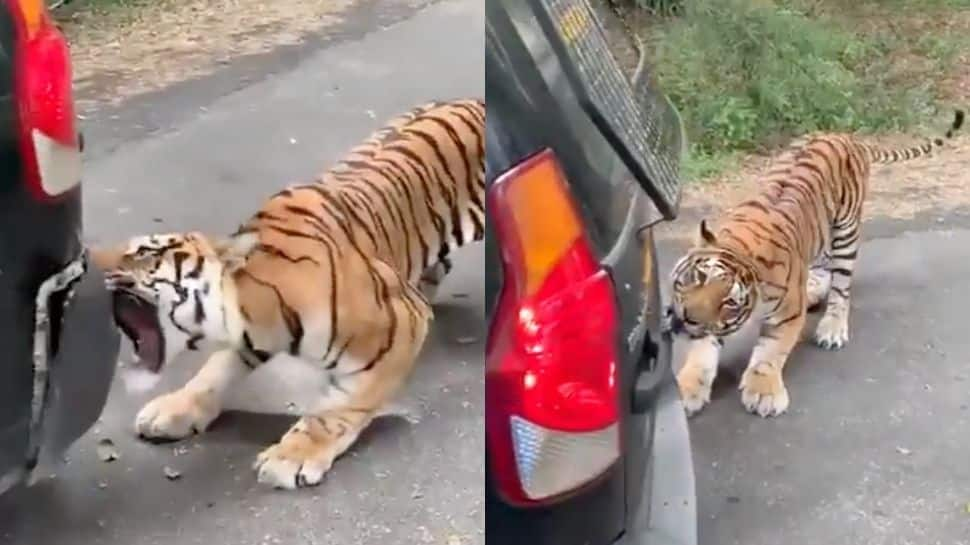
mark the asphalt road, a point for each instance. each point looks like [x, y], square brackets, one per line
[874, 448]
[198, 161]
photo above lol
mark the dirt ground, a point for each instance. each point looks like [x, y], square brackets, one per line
[130, 47]
[939, 183]
[122, 48]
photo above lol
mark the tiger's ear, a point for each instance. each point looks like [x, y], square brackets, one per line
[234, 250]
[107, 258]
[706, 236]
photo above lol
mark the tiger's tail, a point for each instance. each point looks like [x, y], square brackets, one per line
[882, 155]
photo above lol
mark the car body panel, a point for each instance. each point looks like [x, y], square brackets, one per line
[669, 517]
[604, 500]
[532, 106]
[82, 370]
[38, 239]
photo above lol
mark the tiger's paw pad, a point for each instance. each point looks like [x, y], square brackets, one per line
[763, 392]
[832, 332]
[695, 392]
[175, 415]
[295, 462]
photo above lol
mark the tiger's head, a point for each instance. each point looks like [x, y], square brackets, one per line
[171, 291]
[715, 290]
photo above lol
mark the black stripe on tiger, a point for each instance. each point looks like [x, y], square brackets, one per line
[399, 179]
[450, 198]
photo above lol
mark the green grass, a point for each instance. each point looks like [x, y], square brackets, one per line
[97, 8]
[79, 16]
[701, 164]
[749, 74]
[100, 4]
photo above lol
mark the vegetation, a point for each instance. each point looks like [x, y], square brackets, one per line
[749, 74]
[660, 7]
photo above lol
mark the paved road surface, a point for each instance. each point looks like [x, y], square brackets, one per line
[875, 447]
[411, 480]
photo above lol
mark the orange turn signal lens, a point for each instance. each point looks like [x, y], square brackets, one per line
[33, 12]
[537, 199]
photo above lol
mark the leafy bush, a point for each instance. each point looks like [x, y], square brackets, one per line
[663, 7]
[749, 73]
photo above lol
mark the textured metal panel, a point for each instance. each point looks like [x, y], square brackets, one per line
[645, 128]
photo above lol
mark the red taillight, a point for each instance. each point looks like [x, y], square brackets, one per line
[42, 71]
[550, 386]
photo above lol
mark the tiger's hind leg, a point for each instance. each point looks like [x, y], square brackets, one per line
[432, 276]
[366, 375]
[832, 331]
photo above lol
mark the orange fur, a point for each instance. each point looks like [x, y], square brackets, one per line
[790, 247]
[337, 272]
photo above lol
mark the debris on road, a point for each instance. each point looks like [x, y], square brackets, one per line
[466, 340]
[426, 535]
[904, 451]
[107, 452]
[171, 474]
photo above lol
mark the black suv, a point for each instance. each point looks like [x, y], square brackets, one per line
[586, 439]
[59, 341]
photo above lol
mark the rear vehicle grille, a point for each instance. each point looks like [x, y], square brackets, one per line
[632, 123]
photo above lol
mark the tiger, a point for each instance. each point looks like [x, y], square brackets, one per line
[337, 271]
[789, 249]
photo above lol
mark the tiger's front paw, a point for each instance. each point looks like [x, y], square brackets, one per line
[832, 332]
[762, 391]
[695, 389]
[176, 415]
[299, 460]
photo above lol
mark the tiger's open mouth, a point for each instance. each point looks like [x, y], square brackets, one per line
[138, 320]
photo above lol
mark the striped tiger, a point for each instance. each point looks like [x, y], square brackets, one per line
[336, 272]
[789, 249]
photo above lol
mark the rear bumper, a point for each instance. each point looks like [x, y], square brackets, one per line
[80, 368]
[669, 515]
[83, 368]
